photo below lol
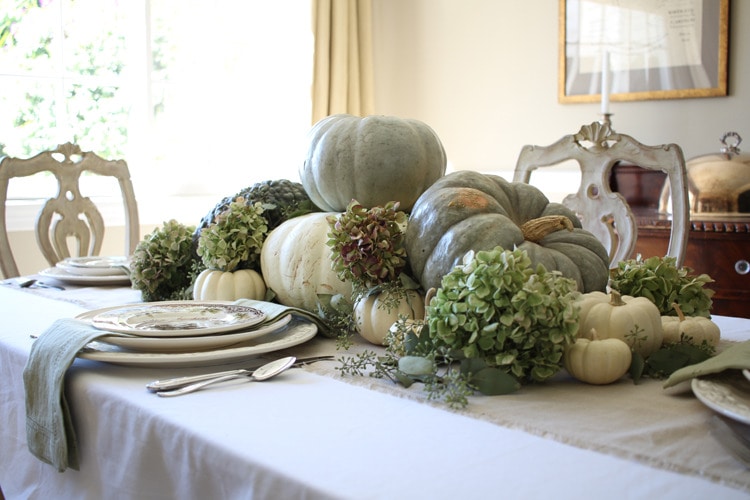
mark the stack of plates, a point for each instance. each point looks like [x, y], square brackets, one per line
[91, 271]
[190, 333]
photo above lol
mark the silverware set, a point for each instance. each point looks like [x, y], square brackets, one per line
[30, 283]
[183, 385]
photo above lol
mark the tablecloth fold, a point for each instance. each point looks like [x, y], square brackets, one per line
[49, 429]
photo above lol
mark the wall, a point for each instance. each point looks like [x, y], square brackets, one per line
[484, 75]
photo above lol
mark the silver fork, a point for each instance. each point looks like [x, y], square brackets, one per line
[734, 439]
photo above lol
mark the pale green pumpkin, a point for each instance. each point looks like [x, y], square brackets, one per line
[467, 210]
[374, 160]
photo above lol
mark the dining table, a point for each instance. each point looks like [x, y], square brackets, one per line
[314, 432]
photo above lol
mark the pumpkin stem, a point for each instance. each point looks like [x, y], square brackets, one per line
[615, 298]
[536, 229]
[680, 314]
[593, 334]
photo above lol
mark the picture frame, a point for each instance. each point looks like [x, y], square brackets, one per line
[641, 50]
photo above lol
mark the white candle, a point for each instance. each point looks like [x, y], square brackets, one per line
[605, 82]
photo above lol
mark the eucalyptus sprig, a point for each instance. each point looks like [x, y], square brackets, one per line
[234, 240]
[336, 313]
[410, 357]
[367, 245]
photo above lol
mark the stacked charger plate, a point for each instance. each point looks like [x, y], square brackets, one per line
[91, 271]
[190, 333]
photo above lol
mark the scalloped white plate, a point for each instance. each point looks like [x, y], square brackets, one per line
[187, 344]
[729, 397]
[177, 318]
[298, 331]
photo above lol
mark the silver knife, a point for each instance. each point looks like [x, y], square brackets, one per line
[177, 382]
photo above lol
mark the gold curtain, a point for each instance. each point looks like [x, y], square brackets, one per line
[342, 79]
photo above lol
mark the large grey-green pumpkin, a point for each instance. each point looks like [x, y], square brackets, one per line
[466, 210]
[373, 160]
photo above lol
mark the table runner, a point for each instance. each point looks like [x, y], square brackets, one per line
[662, 428]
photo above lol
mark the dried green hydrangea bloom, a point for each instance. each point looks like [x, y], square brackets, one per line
[234, 240]
[368, 245]
[495, 306]
[663, 283]
[164, 266]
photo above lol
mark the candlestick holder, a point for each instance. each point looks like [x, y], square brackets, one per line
[606, 120]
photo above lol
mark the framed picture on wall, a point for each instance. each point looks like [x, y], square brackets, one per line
[628, 50]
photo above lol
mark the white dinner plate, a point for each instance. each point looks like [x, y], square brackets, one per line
[95, 266]
[298, 331]
[187, 344]
[61, 274]
[729, 397]
[177, 318]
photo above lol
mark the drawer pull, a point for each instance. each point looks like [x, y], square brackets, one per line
[742, 266]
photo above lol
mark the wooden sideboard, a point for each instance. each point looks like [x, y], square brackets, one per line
[717, 246]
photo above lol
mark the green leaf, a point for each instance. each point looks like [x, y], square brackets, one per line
[493, 381]
[403, 378]
[637, 364]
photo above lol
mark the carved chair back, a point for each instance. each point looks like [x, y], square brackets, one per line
[68, 215]
[606, 214]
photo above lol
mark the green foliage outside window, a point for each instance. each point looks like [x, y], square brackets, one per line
[43, 103]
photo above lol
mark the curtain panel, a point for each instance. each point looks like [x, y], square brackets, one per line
[343, 68]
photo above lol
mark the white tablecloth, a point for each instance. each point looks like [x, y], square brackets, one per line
[301, 435]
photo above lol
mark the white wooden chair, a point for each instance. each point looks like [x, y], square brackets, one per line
[606, 214]
[68, 215]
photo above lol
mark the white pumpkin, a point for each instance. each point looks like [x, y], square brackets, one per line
[596, 361]
[212, 284]
[695, 329]
[634, 320]
[296, 262]
[374, 319]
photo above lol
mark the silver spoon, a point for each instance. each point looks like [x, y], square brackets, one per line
[263, 373]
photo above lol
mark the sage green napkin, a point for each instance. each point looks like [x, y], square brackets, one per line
[49, 430]
[276, 311]
[735, 357]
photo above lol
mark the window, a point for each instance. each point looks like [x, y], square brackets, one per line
[200, 98]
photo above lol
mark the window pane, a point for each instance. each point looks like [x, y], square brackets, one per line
[230, 92]
[199, 97]
[28, 110]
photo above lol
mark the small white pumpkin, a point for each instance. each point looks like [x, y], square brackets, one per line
[634, 320]
[597, 361]
[213, 284]
[695, 328]
[374, 319]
